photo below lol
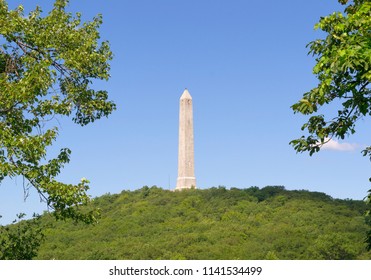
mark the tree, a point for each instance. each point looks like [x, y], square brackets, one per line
[21, 240]
[343, 69]
[368, 220]
[47, 67]
[333, 246]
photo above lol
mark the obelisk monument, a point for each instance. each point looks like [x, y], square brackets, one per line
[186, 174]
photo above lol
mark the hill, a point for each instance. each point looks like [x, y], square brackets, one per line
[215, 223]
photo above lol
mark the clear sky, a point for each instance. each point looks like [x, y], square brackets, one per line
[244, 63]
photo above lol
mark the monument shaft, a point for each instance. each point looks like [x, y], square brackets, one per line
[186, 174]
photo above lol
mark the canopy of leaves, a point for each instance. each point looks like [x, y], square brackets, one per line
[47, 66]
[343, 69]
[216, 223]
[21, 240]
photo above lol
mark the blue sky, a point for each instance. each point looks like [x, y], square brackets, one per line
[244, 63]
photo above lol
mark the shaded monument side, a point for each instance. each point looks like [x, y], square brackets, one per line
[186, 177]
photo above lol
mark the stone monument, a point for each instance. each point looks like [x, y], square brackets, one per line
[186, 174]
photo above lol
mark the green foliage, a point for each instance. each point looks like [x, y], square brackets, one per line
[333, 246]
[368, 219]
[343, 69]
[215, 223]
[21, 240]
[47, 66]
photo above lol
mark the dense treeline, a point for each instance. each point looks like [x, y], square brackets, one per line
[215, 223]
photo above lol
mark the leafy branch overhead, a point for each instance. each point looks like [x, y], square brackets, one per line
[47, 67]
[343, 69]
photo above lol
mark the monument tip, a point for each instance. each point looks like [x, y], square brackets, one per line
[186, 95]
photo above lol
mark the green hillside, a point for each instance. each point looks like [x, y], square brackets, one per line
[216, 223]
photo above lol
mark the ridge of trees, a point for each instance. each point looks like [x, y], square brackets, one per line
[216, 223]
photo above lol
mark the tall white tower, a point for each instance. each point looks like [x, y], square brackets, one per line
[186, 172]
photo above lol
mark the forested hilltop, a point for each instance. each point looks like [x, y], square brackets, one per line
[215, 223]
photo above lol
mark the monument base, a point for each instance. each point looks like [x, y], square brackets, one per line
[185, 183]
